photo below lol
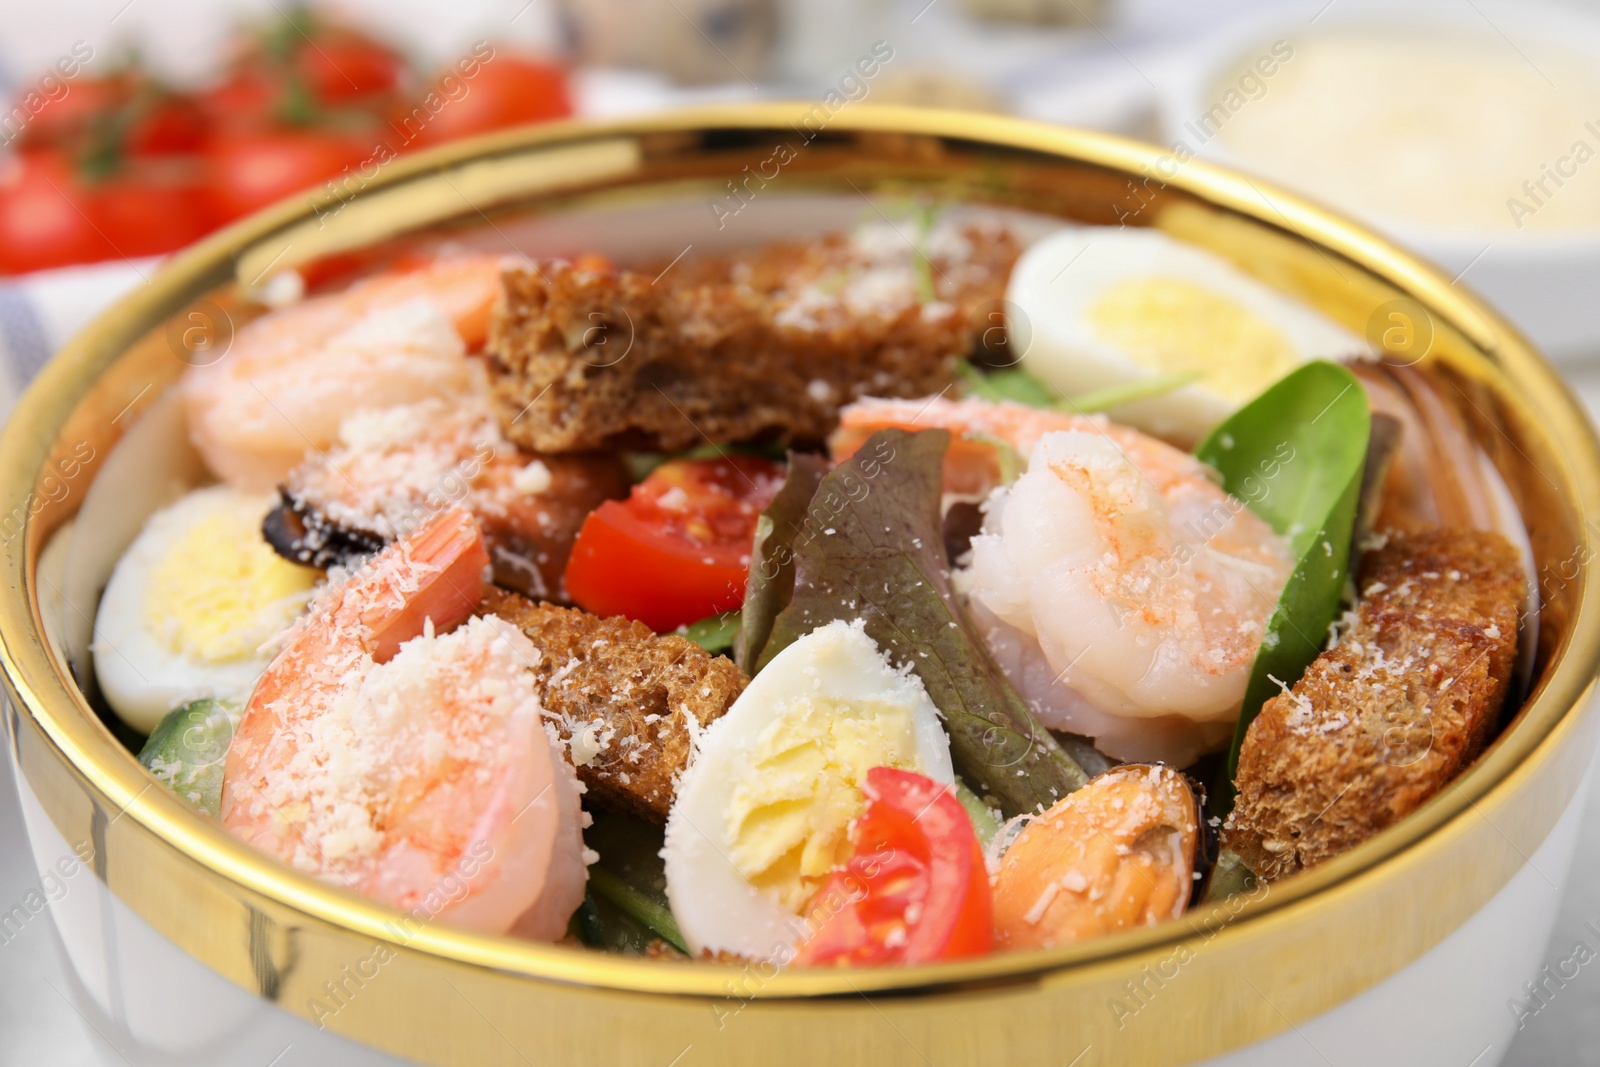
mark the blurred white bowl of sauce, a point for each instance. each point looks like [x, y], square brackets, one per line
[1467, 130]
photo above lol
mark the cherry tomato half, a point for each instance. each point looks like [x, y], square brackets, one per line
[916, 889]
[678, 549]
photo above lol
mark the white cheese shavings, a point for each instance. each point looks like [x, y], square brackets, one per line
[532, 479]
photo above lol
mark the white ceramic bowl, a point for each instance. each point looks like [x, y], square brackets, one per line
[186, 946]
[1543, 281]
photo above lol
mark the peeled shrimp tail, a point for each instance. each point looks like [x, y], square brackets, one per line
[409, 763]
[438, 578]
[290, 377]
[1123, 590]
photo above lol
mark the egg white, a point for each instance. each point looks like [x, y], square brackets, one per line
[140, 674]
[1059, 279]
[715, 906]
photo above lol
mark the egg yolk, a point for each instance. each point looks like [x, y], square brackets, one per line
[790, 810]
[1174, 326]
[220, 591]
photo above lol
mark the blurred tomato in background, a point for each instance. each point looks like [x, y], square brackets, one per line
[249, 170]
[509, 90]
[44, 216]
[123, 164]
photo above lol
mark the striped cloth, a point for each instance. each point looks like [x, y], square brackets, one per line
[39, 312]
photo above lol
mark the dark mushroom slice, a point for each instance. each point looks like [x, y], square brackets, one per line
[395, 469]
[302, 534]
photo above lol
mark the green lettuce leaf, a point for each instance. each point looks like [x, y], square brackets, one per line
[1229, 877]
[1115, 396]
[1009, 383]
[771, 579]
[1021, 387]
[714, 633]
[1294, 456]
[629, 883]
[637, 905]
[985, 821]
[871, 547]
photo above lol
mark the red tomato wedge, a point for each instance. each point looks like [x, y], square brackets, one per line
[916, 890]
[678, 549]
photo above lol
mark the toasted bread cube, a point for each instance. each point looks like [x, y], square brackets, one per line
[760, 345]
[629, 702]
[1401, 704]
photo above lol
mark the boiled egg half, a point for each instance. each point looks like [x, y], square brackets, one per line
[1108, 308]
[190, 605]
[763, 812]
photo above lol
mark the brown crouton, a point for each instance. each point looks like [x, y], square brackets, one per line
[1404, 701]
[627, 700]
[766, 344]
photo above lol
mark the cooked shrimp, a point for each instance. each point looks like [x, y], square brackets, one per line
[291, 376]
[1124, 592]
[1119, 853]
[407, 763]
[973, 466]
[392, 467]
